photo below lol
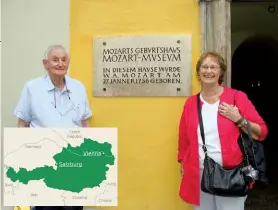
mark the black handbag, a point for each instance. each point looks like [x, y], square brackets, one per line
[255, 153]
[220, 181]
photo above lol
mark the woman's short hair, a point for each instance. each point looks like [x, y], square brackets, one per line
[218, 58]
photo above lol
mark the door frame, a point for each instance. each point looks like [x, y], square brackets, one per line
[215, 18]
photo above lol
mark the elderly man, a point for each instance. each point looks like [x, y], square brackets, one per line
[54, 100]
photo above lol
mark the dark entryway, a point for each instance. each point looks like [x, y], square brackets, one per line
[255, 71]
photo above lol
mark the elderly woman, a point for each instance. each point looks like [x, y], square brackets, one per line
[222, 121]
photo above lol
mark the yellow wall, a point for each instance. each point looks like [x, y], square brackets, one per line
[148, 172]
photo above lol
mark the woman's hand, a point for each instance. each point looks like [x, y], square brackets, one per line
[229, 111]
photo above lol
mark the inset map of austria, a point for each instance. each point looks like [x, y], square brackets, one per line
[71, 167]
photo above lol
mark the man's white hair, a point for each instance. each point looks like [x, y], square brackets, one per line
[53, 47]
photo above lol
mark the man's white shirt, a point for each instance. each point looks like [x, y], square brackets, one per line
[39, 97]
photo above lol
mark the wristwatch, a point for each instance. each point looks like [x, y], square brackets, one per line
[241, 123]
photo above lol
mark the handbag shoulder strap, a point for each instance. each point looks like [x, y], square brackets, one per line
[235, 97]
[201, 123]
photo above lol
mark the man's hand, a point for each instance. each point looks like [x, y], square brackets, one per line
[85, 123]
[22, 124]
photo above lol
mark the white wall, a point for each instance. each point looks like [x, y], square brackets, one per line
[28, 28]
[249, 19]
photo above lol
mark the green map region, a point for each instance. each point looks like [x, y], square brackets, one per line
[77, 168]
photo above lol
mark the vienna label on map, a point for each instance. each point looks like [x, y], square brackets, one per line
[60, 167]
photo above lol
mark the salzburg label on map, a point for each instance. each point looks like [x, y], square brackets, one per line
[60, 167]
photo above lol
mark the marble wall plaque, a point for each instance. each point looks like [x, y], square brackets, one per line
[156, 65]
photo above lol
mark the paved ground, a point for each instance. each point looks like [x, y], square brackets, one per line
[263, 199]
